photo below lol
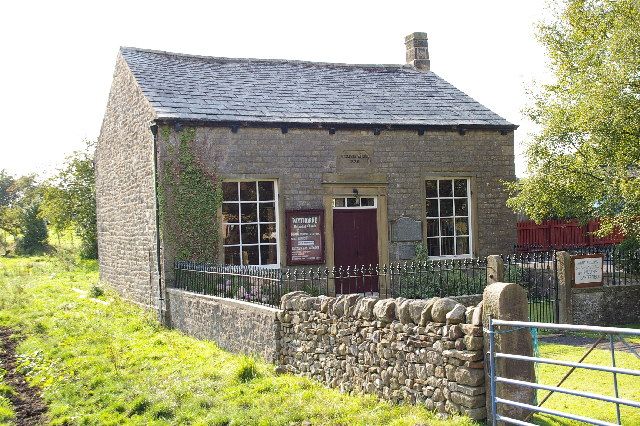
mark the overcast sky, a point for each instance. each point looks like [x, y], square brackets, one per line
[58, 56]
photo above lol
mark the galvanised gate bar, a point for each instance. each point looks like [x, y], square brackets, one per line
[497, 327]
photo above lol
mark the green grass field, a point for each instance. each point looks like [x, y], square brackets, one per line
[6, 410]
[101, 364]
[112, 363]
[588, 381]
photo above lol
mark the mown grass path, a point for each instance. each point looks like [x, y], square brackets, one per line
[101, 364]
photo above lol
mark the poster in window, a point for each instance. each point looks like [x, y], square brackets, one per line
[305, 237]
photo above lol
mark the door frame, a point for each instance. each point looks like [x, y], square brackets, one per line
[334, 185]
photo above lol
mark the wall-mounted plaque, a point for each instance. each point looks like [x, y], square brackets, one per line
[305, 237]
[406, 229]
[354, 160]
[587, 270]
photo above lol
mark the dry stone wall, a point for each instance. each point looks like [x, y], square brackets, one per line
[417, 351]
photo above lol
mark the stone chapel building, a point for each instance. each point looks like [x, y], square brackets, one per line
[373, 158]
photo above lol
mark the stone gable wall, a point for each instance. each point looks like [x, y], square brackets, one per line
[415, 351]
[125, 202]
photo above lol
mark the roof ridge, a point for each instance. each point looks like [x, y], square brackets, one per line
[274, 60]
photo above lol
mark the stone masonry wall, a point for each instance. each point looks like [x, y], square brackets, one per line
[607, 305]
[125, 199]
[299, 158]
[234, 325]
[416, 351]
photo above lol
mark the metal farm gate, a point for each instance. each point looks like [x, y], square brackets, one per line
[614, 336]
[537, 272]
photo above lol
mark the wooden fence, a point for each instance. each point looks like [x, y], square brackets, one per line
[562, 234]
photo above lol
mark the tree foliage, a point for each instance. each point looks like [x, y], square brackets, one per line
[20, 202]
[33, 230]
[69, 200]
[585, 161]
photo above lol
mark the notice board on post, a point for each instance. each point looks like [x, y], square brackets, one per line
[587, 270]
[305, 237]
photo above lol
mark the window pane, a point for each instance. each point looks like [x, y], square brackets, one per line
[433, 228]
[446, 208]
[249, 212]
[232, 255]
[433, 246]
[267, 212]
[250, 255]
[447, 246]
[230, 213]
[268, 233]
[266, 192]
[249, 234]
[461, 207]
[353, 202]
[229, 191]
[248, 191]
[460, 187]
[462, 245]
[446, 188]
[432, 188]
[462, 226]
[269, 254]
[432, 208]
[446, 225]
[232, 234]
[338, 202]
[366, 202]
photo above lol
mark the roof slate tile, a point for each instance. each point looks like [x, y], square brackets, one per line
[221, 89]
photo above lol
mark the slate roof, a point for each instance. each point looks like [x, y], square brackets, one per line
[209, 89]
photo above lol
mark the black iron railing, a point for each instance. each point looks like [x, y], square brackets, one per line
[453, 277]
[537, 273]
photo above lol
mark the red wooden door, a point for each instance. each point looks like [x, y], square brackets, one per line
[355, 241]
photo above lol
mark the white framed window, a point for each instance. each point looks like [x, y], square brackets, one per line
[448, 224]
[250, 222]
[355, 202]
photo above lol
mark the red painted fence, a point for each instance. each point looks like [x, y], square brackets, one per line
[562, 233]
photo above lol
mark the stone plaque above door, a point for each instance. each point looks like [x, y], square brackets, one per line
[354, 160]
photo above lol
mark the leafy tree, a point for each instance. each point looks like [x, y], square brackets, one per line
[70, 202]
[19, 206]
[33, 229]
[585, 161]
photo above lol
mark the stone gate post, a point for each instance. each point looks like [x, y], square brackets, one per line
[508, 301]
[564, 275]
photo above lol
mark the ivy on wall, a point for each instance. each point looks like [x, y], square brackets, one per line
[189, 196]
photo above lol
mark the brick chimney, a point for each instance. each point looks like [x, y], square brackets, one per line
[417, 51]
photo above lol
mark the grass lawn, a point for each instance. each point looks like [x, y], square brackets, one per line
[112, 363]
[542, 311]
[6, 411]
[588, 381]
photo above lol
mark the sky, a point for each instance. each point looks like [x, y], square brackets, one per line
[58, 57]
